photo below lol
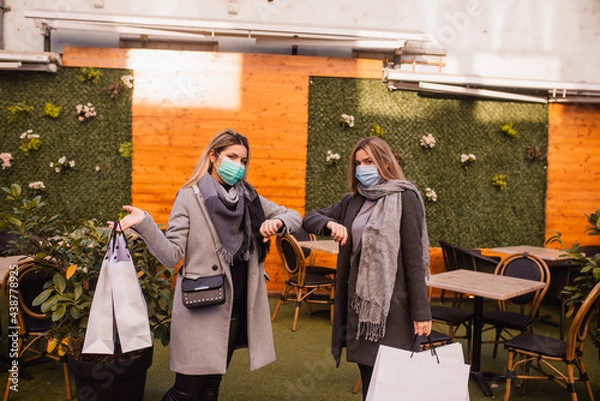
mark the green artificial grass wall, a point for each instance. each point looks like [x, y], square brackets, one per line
[100, 181]
[470, 210]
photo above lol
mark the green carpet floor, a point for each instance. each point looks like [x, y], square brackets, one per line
[304, 369]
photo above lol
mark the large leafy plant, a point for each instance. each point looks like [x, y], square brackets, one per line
[73, 255]
[588, 267]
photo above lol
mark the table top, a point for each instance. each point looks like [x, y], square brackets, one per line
[484, 285]
[328, 245]
[5, 263]
[540, 252]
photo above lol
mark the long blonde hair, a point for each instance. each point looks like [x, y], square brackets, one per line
[382, 156]
[219, 142]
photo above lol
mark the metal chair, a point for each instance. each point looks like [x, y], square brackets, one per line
[450, 263]
[303, 283]
[503, 320]
[483, 263]
[542, 353]
[20, 287]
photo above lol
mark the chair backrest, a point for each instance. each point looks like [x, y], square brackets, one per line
[529, 267]
[580, 325]
[464, 258]
[484, 264]
[449, 254]
[31, 279]
[309, 254]
[291, 256]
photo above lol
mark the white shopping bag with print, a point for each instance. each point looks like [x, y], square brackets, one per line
[118, 301]
[420, 375]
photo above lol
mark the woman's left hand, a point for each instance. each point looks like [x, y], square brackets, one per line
[422, 328]
[270, 227]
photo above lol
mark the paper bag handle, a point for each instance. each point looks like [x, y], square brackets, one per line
[431, 347]
[114, 233]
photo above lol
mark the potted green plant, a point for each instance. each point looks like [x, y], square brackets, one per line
[587, 266]
[78, 249]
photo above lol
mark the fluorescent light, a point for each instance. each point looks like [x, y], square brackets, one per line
[80, 26]
[212, 28]
[485, 93]
[29, 61]
[9, 65]
[575, 99]
[391, 74]
[355, 44]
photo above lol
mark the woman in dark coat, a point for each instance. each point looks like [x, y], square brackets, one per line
[381, 297]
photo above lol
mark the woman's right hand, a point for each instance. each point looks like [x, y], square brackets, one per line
[135, 216]
[338, 232]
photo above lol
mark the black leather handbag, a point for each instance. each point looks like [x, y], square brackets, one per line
[203, 291]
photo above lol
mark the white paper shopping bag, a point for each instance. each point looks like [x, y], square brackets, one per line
[118, 302]
[419, 376]
[131, 314]
[99, 334]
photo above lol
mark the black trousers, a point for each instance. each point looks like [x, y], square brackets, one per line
[206, 387]
[366, 372]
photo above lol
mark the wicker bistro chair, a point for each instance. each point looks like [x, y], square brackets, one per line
[506, 319]
[303, 283]
[542, 353]
[31, 324]
[310, 254]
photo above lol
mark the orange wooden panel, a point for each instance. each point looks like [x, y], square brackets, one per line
[181, 99]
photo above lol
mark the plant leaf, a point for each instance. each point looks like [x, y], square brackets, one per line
[58, 313]
[70, 271]
[42, 297]
[60, 282]
[78, 291]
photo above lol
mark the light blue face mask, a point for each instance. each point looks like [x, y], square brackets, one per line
[230, 171]
[367, 175]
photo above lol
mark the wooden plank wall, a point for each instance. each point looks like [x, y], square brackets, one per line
[573, 170]
[181, 99]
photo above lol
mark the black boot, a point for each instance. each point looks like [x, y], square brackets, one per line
[210, 390]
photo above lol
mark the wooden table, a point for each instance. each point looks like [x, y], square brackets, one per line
[5, 263]
[329, 245]
[482, 285]
[547, 254]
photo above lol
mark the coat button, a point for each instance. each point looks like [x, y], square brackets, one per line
[215, 268]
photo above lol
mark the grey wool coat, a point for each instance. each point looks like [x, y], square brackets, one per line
[409, 300]
[198, 344]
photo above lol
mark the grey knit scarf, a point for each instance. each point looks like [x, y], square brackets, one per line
[379, 256]
[229, 215]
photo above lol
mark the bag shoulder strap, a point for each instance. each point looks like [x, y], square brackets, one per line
[211, 229]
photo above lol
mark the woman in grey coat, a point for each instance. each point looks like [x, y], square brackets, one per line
[381, 297]
[218, 225]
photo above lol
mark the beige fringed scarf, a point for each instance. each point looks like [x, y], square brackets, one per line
[379, 256]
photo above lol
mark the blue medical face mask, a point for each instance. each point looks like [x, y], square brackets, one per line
[367, 175]
[230, 171]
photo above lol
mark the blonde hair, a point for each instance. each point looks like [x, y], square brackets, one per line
[382, 156]
[220, 142]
